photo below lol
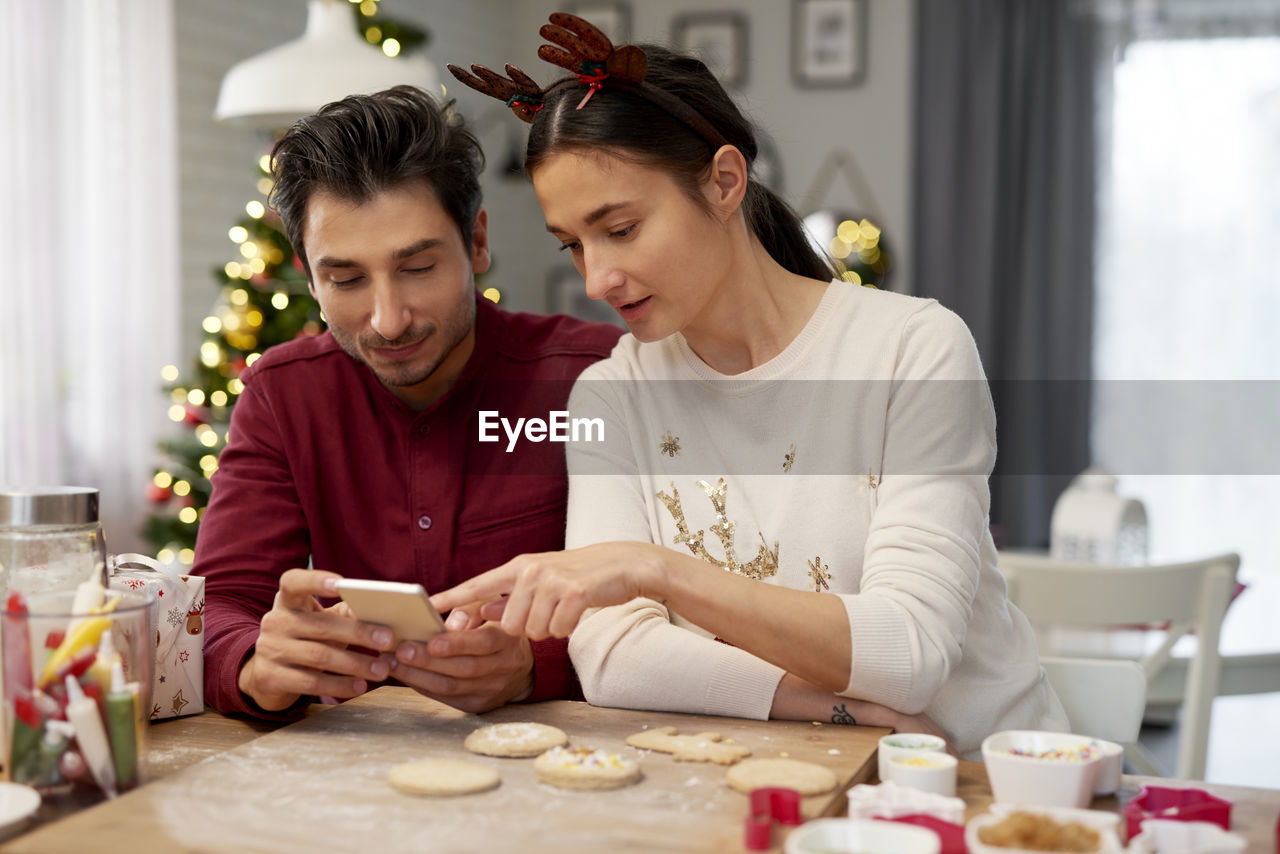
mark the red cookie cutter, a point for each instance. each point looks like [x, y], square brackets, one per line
[950, 835]
[1176, 804]
[767, 806]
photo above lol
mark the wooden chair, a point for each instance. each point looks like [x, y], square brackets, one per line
[1186, 596]
[1103, 698]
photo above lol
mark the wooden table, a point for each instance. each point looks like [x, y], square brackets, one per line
[224, 784]
[320, 785]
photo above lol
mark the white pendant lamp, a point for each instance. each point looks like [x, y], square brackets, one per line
[329, 62]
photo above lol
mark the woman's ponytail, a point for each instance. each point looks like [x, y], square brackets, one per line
[782, 234]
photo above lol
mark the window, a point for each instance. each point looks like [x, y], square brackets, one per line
[1188, 296]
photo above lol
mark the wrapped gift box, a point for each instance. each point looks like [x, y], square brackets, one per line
[178, 686]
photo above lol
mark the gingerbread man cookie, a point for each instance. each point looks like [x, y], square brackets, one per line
[703, 747]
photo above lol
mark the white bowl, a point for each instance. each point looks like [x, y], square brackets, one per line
[1035, 777]
[905, 744]
[861, 836]
[1110, 767]
[1169, 836]
[1106, 823]
[932, 772]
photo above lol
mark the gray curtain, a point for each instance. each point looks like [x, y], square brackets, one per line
[1003, 230]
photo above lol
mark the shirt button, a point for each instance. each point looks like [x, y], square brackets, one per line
[424, 429]
[424, 522]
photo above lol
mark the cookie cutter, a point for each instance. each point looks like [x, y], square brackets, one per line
[1176, 804]
[767, 806]
[949, 834]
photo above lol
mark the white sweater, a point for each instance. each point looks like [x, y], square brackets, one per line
[855, 463]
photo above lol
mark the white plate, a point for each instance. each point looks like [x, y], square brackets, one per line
[17, 804]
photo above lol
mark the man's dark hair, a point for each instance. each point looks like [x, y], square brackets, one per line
[365, 144]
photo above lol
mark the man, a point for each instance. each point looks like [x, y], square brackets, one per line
[358, 450]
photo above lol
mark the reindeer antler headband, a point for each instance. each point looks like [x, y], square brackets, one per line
[586, 52]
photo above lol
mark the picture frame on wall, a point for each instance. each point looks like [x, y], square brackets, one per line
[719, 39]
[611, 18]
[829, 39]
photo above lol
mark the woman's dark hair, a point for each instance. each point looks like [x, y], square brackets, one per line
[364, 144]
[637, 129]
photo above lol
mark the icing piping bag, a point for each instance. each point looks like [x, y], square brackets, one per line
[124, 738]
[82, 712]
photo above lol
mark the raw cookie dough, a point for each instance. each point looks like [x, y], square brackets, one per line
[443, 777]
[805, 777]
[518, 739]
[580, 768]
[703, 747]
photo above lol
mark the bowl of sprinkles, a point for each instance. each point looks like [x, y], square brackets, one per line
[1043, 768]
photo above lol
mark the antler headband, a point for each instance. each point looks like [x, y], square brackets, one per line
[584, 50]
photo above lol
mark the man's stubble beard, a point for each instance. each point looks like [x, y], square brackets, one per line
[456, 329]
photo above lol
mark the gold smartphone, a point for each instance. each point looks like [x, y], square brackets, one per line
[404, 608]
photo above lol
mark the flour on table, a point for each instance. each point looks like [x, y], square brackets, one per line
[703, 747]
[805, 777]
[443, 777]
[515, 739]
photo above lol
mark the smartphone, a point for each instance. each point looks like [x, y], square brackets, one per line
[404, 608]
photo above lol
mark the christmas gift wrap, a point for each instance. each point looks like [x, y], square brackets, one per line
[178, 684]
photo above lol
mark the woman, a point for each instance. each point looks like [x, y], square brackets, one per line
[837, 436]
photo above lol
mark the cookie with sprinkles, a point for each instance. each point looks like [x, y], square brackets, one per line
[583, 768]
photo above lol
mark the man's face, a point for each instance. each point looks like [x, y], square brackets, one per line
[395, 282]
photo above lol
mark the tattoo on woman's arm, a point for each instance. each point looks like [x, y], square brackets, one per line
[841, 715]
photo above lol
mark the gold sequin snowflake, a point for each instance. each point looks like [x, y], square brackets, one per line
[818, 575]
[670, 445]
[790, 459]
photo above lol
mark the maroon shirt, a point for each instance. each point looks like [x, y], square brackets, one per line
[325, 464]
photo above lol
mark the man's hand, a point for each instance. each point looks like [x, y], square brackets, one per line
[302, 648]
[474, 666]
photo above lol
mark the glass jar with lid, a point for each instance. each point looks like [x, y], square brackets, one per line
[50, 538]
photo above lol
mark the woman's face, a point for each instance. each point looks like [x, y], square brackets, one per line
[638, 240]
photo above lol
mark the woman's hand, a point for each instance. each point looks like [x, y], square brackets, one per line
[546, 594]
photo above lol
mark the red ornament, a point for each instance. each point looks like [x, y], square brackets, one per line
[159, 494]
[237, 367]
[196, 415]
[297, 265]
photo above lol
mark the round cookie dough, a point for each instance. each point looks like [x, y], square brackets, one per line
[443, 777]
[805, 777]
[518, 739]
[580, 768]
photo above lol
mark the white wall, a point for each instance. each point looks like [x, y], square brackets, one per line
[871, 120]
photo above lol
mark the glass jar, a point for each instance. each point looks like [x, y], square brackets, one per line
[50, 539]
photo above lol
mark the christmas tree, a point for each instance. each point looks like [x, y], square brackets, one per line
[262, 300]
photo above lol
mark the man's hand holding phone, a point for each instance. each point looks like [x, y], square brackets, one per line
[473, 665]
[303, 648]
